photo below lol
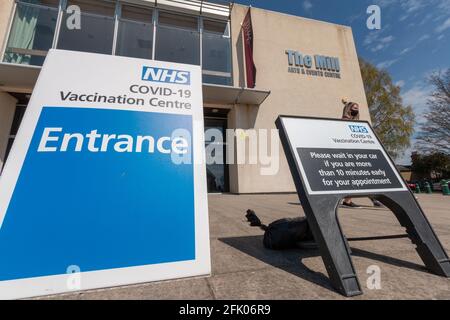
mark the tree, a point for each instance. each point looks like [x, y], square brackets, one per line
[434, 134]
[392, 121]
[432, 165]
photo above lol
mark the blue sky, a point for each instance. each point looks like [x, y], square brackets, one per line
[413, 42]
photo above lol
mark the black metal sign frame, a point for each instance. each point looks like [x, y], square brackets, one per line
[321, 212]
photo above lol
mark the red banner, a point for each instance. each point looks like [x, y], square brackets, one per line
[250, 69]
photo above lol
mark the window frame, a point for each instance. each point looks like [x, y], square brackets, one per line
[10, 26]
[199, 30]
[120, 19]
[228, 36]
[179, 14]
[12, 137]
[62, 6]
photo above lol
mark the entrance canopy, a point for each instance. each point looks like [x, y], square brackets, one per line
[220, 94]
[18, 78]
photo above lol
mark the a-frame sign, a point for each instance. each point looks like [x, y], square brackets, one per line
[330, 159]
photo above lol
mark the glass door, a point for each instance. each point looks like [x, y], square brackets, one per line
[216, 168]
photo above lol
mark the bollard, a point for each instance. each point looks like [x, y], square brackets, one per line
[417, 190]
[428, 188]
[445, 189]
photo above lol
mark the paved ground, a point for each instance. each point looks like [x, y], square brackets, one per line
[243, 269]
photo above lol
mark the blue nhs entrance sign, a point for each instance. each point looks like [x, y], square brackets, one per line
[103, 188]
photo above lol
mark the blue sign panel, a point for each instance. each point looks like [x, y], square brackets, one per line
[98, 210]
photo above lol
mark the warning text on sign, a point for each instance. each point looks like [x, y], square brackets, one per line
[347, 169]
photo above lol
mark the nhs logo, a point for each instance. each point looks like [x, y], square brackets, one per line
[166, 75]
[358, 129]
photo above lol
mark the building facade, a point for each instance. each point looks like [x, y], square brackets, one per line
[304, 67]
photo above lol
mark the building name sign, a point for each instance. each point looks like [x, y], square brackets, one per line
[324, 66]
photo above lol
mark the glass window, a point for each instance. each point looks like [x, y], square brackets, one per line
[8, 148]
[32, 32]
[216, 171]
[96, 30]
[178, 20]
[177, 39]
[215, 79]
[135, 34]
[220, 27]
[216, 52]
[49, 3]
[137, 14]
[104, 8]
[18, 115]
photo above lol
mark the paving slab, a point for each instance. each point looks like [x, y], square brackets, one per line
[243, 269]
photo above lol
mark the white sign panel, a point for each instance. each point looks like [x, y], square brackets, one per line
[335, 156]
[106, 183]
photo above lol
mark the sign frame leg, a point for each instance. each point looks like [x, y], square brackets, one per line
[411, 216]
[332, 243]
[327, 232]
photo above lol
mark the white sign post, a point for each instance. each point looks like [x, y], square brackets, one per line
[106, 182]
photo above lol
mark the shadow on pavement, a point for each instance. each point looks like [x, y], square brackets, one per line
[291, 260]
[286, 260]
[388, 260]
